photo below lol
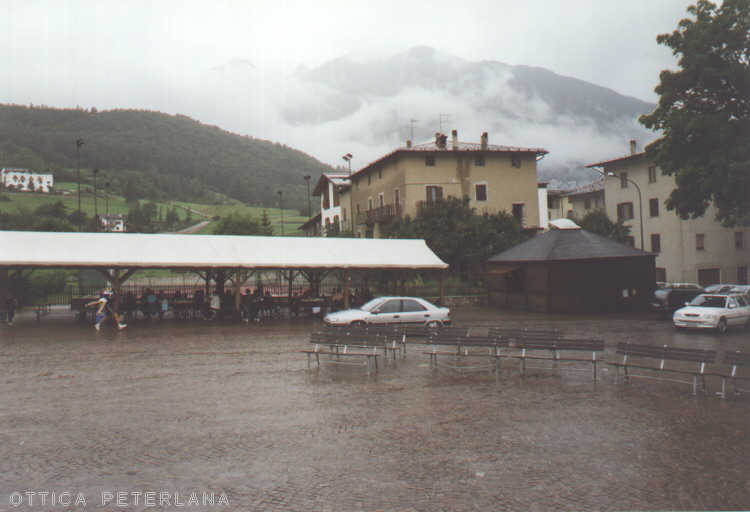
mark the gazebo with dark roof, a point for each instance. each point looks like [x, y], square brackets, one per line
[572, 270]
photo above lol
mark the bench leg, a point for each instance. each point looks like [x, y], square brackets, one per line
[723, 393]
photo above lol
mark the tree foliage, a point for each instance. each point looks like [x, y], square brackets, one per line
[704, 113]
[456, 233]
[238, 224]
[597, 222]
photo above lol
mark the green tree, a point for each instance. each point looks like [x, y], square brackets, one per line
[704, 113]
[172, 219]
[266, 229]
[597, 222]
[56, 209]
[238, 224]
[454, 231]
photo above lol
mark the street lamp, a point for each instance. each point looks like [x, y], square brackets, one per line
[640, 201]
[348, 158]
[106, 200]
[309, 207]
[79, 143]
[281, 202]
[96, 208]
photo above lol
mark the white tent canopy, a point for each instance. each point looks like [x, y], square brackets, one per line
[130, 250]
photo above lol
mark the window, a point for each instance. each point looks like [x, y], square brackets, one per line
[518, 212]
[652, 174]
[390, 306]
[396, 196]
[586, 203]
[700, 242]
[739, 240]
[479, 160]
[708, 276]
[434, 193]
[481, 191]
[357, 207]
[381, 199]
[661, 275]
[623, 180]
[624, 211]
[515, 161]
[742, 277]
[369, 204]
[655, 243]
[429, 160]
[653, 207]
[409, 306]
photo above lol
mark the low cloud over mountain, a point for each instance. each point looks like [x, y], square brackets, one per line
[365, 107]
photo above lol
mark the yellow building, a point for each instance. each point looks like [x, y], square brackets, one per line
[696, 251]
[494, 178]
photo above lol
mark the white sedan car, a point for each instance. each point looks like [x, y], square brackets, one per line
[392, 310]
[714, 311]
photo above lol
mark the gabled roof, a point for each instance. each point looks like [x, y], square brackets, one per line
[597, 186]
[567, 244]
[31, 249]
[461, 146]
[340, 180]
[618, 159]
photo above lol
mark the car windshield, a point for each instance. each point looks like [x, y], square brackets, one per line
[369, 306]
[709, 301]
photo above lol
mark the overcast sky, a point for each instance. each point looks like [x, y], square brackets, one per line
[127, 53]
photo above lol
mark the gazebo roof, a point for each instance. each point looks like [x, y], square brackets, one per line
[567, 244]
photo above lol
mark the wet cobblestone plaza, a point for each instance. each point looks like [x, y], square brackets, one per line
[204, 407]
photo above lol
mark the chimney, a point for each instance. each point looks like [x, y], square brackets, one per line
[443, 141]
[633, 149]
[408, 143]
[437, 139]
[454, 135]
[484, 141]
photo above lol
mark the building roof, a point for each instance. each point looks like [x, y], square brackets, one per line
[596, 186]
[32, 249]
[461, 146]
[340, 180]
[618, 159]
[567, 244]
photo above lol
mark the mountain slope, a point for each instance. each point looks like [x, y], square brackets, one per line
[163, 156]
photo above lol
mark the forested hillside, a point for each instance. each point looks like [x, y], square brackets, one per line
[153, 155]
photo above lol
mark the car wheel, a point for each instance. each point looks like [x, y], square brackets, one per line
[722, 325]
[357, 323]
[434, 323]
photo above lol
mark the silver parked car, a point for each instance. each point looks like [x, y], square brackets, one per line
[392, 310]
[714, 311]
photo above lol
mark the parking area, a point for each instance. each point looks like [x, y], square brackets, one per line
[230, 410]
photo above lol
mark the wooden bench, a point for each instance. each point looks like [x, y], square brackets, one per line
[465, 345]
[521, 334]
[733, 360]
[695, 362]
[43, 309]
[560, 350]
[333, 345]
[392, 338]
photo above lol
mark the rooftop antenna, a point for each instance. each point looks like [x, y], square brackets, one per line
[440, 118]
[412, 127]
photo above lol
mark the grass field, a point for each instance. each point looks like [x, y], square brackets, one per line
[116, 204]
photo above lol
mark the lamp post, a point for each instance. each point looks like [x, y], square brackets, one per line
[79, 143]
[96, 207]
[106, 201]
[309, 207]
[348, 158]
[281, 203]
[640, 202]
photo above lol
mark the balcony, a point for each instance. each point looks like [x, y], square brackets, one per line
[380, 215]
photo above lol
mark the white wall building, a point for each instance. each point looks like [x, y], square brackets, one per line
[25, 180]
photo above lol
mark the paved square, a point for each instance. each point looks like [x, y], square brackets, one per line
[201, 407]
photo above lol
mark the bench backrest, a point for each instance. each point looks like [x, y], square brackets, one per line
[523, 333]
[570, 344]
[459, 338]
[737, 358]
[665, 352]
